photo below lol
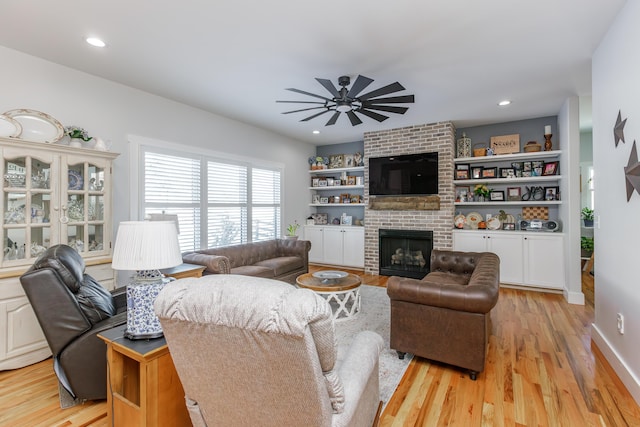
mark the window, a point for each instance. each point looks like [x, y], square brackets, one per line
[218, 202]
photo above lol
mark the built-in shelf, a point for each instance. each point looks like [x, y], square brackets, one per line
[338, 187]
[336, 204]
[538, 155]
[519, 180]
[516, 203]
[334, 170]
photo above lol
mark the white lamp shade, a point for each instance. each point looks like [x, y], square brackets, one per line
[146, 245]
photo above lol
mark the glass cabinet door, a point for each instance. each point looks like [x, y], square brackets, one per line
[83, 214]
[26, 207]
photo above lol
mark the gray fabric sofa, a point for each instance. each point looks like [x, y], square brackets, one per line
[257, 352]
[278, 259]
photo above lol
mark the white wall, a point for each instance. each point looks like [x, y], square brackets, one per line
[113, 111]
[616, 67]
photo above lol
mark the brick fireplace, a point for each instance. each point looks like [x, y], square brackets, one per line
[438, 137]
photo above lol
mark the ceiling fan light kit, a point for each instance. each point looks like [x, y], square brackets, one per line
[350, 102]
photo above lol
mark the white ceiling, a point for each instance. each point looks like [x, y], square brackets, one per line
[235, 58]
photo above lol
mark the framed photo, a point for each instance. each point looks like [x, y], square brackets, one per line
[322, 182]
[349, 161]
[336, 199]
[351, 180]
[507, 172]
[355, 198]
[330, 182]
[345, 198]
[551, 193]
[550, 168]
[336, 161]
[508, 226]
[324, 201]
[462, 174]
[514, 194]
[316, 199]
[320, 218]
[346, 220]
[526, 166]
[496, 196]
[315, 182]
[463, 166]
[476, 172]
[490, 172]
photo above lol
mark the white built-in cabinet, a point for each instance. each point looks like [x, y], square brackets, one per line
[336, 245]
[51, 194]
[526, 258]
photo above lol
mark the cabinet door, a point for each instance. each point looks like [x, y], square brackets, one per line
[544, 261]
[333, 249]
[469, 242]
[314, 235]
[508, 247]
[353, 245]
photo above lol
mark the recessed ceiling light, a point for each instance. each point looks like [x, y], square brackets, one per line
[315, 132]
[504, 103]
[93, 41]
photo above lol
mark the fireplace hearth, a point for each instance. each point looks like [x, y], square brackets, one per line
[405, 253]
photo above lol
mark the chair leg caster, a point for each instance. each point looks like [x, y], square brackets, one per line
[400, 354]
[473, 375]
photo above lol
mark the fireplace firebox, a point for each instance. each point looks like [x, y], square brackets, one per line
[405, 253]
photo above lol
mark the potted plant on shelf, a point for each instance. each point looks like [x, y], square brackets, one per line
[482, 192]
[587, 216]
[292, 229]
[77, 135]
[586, 246]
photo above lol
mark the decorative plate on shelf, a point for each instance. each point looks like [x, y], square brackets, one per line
[473, 219]
[459, 221]
[494, 223]
[9, 127]
[76, 182]
[37, 126]
[330, 274]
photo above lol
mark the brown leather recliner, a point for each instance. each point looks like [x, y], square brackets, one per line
[72, 308]
[446, 316]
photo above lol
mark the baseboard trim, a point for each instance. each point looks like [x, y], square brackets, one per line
[573, 297]
[618, 368]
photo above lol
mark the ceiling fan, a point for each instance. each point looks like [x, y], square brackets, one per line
[350, 102]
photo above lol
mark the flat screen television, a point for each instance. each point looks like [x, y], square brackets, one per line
[409, 174]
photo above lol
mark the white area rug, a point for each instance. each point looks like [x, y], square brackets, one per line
[374, 316]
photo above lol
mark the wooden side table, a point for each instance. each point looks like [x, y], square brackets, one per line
[184, 270]
[143, 388]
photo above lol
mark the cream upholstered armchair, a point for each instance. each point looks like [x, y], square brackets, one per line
[254, 351]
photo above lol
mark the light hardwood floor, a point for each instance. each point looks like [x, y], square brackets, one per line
[541, 371]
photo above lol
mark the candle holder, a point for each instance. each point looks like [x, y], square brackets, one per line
[548, 145]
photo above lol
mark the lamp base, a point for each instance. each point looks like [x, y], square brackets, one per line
[142, 322]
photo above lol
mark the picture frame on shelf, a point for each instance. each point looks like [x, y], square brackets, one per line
[508, 225]
[330, 182]
[551, 193]
[322, 182]
[336, 161]
[476, 172]
[351, 180]
[324, 200]
[315, 199]
[315, 182]
[463, 166]
[349, 161]
[345, 198]
[507, 173]
[320, 218]
[336, 199]
[517, 166]
[496, 196]
[490, 172]
[537, 168]
[514, 194]
[346, 220]
[355, 198]
[550, 168]
[462, 174]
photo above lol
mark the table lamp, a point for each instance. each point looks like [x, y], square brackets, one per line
[146, 247]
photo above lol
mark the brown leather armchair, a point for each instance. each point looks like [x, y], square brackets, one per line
[72, 308]
[446, 316]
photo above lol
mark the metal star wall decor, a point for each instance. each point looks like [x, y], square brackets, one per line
[618, 129]
[632, 173]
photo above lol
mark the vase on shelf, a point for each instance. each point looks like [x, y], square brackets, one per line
[76, 142]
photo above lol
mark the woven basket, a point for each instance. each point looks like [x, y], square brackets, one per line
[479, 150]
[532, 147]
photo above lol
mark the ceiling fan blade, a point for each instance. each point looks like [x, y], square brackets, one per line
[314, 116]
[391, 100]
[303, 109]
[329, 86]
[355, 120]
[389, 108]
[373, 115]
[358, 86]
[308, 93]
[393, 87]
[333, 119]
[302, 102]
